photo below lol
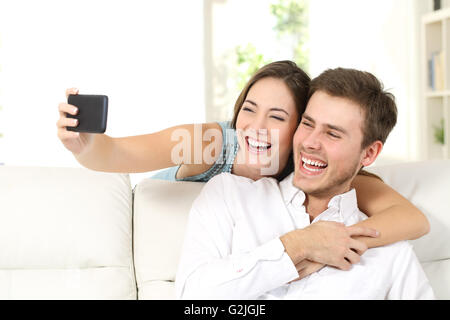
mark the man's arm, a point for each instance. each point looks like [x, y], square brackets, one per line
[209, 269]
[328, 243]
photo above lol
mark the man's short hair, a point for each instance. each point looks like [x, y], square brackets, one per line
[368, 92]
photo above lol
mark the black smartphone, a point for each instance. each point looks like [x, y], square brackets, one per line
[92, 112]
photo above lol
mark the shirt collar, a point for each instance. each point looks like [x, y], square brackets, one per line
[289, 191]
[345, 203]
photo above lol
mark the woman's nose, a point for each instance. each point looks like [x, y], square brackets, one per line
[259, 125]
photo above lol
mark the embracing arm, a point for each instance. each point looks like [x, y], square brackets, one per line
[392, 215]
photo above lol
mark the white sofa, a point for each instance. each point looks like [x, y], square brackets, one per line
[71, 233]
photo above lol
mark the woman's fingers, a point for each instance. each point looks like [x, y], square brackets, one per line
[71, 91]
[64, 134]
[65, 107]
[66, 122]
[362, 231]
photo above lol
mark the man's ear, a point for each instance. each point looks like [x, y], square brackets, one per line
[371, 153]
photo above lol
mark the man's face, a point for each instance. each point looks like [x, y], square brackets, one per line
[327, 145]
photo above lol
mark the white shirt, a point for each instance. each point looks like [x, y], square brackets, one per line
[232, 248]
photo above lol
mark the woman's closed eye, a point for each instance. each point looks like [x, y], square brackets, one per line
[248, 109]
[278, 118]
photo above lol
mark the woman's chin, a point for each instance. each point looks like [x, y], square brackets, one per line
[264, 169]
[262, 163]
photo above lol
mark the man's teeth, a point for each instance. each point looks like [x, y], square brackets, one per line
[313, 163]
[257, 144]
[311, 169]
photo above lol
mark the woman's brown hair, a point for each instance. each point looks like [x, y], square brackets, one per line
[295, 78]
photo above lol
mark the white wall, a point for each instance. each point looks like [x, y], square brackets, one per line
[147, 56]
[381, 37]
[445, 3]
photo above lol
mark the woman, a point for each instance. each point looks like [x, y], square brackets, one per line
[266, 116]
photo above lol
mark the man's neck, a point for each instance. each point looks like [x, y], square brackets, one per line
[315, 204]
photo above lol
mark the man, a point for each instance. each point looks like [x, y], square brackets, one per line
[246, 239]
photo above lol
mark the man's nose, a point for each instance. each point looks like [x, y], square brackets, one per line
[312, 141]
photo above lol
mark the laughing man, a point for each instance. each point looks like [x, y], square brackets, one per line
[244, 238]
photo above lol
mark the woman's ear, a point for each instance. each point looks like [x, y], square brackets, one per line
[371, 153]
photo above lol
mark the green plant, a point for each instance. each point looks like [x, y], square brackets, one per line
[291, 21]
[248, 62]
[439, 133]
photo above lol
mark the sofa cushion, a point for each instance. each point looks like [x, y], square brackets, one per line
[160, 216]
[427, 186]
[65, 233]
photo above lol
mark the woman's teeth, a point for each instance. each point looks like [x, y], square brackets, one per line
[258, 144]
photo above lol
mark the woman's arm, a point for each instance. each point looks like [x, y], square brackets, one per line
[185, 145]
[193, 146]
[392, 215]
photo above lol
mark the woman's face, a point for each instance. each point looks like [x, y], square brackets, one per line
[265, 127]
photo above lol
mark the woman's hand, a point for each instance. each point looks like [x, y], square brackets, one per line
[328, 243]
[75, 142]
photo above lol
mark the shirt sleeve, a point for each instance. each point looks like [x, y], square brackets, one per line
[409, 281]
[209, 269]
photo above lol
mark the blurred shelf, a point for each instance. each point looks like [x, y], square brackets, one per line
[435, 62]
[437, 94]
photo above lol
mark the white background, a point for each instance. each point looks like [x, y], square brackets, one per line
[148, 57]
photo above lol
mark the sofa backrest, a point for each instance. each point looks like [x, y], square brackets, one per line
[160, 216]
[161, 209]
[65, 233]
[427, 186]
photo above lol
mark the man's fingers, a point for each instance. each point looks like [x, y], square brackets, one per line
[358, 246]
[344, 265]
[306, 267]
[352, 257]
[362, 231]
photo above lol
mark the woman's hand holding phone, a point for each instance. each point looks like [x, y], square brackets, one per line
[75, 142]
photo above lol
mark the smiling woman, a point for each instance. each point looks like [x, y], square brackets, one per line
[259, 142]
[265, 132]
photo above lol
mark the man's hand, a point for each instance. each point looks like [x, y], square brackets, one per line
[306, 267]
[328, 243]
